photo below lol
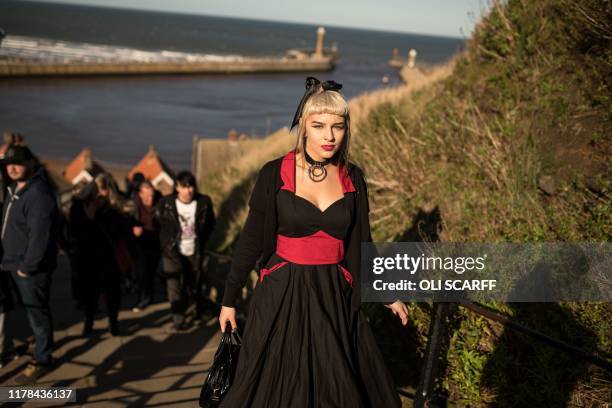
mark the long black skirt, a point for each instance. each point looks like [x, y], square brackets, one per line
[302, 348]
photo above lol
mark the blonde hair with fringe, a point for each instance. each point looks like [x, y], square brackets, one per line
[331, 102]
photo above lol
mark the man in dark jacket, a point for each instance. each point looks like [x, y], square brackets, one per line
[29, 216]
[186, 221]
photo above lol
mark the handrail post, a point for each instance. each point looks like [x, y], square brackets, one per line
[429, 371]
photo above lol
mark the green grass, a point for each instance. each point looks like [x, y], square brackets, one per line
[529, 100]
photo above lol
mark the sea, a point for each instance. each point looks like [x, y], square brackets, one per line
[119, 117]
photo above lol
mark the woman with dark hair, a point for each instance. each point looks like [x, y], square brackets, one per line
[306, 341]
[146, 243]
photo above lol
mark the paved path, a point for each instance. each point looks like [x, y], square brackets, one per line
[147, 365]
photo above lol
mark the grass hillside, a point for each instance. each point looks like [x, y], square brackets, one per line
[514, 146]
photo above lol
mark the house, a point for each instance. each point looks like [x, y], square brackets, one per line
[83, 168]
[153, 168]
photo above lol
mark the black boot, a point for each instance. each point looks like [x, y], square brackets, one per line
[88, 327]
[114, 328]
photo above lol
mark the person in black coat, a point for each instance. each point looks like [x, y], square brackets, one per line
[29, 246]
[145, 230]
[186, 221]
[306, 341]
[97, 227]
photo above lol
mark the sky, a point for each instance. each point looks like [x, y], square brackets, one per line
[452, 18]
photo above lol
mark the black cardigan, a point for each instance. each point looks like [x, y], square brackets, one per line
[257, 241]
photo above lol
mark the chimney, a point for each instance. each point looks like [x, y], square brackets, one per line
[87, 161]
[8, 137]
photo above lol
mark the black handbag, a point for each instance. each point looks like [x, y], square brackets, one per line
[221, 373]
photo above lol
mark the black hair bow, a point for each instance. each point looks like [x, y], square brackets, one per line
[311, 87]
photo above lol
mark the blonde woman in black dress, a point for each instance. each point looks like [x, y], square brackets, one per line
[306, 341]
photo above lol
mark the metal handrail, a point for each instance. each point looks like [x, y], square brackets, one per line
[428, 374]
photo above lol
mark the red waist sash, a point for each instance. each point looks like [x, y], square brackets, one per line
[318, 248]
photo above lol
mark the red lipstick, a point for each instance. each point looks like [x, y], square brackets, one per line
[327, 147]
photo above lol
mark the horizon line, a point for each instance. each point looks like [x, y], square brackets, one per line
[183, 13]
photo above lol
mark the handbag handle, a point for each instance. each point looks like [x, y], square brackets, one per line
[228, 333]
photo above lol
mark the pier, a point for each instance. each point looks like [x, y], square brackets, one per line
[27, 56]
[255, 65]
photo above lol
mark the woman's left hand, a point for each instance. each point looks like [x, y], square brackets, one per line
[400, 310]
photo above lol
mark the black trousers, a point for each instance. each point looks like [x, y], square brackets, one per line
[110, 288]
[33, 292]
[185, 285]
[147, 260]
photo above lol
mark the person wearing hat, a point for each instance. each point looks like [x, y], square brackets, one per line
[29, 216]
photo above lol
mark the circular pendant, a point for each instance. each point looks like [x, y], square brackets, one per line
[317, 172]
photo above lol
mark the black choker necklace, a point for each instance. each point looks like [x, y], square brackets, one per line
[316, 170]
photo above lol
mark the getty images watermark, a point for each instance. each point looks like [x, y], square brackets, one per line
[507, 272]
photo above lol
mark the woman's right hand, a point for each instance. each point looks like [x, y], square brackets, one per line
[227, 313]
